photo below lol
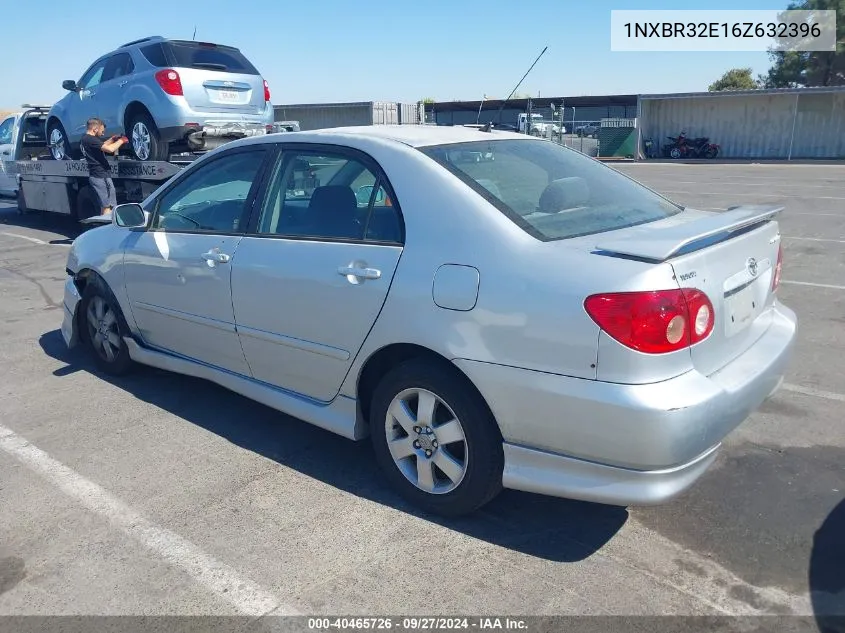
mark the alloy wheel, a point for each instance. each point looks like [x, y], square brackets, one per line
[141, 140]
[426, 441]
[103, 329]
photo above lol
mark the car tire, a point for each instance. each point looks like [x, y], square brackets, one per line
[56, 134]
[145, 139]
[468, 447]
[105, 339]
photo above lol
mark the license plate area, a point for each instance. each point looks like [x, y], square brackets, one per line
[227, 96]
[742, 307]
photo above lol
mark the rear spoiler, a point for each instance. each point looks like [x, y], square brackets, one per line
[660, 244]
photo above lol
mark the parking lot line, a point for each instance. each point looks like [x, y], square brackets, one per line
[813, 239]
[752, 195]
[810, 391]
[215, 576]
[25, 237]
[809, 283]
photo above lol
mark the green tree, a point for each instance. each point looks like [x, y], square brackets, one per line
[794, 69]
[735, 79]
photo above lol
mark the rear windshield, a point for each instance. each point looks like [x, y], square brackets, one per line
[550, 191]
[201, 55]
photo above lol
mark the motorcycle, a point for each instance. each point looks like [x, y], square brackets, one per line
[682, 147]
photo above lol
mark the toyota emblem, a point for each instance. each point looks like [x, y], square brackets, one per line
[751, 265]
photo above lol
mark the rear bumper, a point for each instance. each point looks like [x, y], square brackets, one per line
[626, 444]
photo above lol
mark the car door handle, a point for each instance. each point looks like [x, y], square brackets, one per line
[362, 273]
[216, 256]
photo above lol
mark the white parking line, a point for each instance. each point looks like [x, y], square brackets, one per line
[813, 239]
[808, 283]
[34, 240]
[752, 195]
[25, 237]
[215, 576]
[810, 391]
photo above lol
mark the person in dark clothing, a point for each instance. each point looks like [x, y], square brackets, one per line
[93, 147]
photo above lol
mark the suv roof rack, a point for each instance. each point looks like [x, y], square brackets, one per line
[152, 38]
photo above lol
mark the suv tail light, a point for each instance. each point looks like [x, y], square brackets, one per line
[778, 269]
[170, 82]
[655, 322]
[266, 91]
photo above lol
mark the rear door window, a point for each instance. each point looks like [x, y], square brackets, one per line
[118, 66]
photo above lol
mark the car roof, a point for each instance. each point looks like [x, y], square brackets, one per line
[412, 135]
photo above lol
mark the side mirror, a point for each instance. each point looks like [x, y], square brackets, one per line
[129, 216]
[70, 85]
[363, 194]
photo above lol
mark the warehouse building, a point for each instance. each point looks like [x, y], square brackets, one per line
[788, 123]
[313, 116]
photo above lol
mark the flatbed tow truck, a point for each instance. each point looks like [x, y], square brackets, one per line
[61, 186]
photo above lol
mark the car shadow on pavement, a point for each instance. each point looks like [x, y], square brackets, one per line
[553, 529]
[827, 572]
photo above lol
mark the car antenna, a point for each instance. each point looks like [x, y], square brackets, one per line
[502, 107]
[194, 38]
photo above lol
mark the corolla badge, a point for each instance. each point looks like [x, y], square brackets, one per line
[751, 266]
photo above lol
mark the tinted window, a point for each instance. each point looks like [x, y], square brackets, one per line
[328, 196]
[212, 198]
[118, 66]
[550, 191]
[6, 131]
[154, 54]
[210, 56]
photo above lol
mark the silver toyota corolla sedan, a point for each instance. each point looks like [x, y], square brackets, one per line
[492, 310]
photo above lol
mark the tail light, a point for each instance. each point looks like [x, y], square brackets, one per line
[266, 91]
[778, 269]
[170, 82]
[655, 322]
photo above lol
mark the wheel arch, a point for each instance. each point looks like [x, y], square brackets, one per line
[87, 276]
[132, 108]
[386, 358]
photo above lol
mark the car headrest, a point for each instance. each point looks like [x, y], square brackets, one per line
[333, 199]
[564, 193]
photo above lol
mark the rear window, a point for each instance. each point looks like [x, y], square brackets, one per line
[208, 56]
[550, 191]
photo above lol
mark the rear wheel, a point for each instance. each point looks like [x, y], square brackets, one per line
[103, 329]
[435, 439]
[675, 153]
[145, 138]
[711, 152]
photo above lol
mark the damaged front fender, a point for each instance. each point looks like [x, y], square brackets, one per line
[70, 325]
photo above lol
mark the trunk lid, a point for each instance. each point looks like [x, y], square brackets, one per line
[217, 78]
[729, 256]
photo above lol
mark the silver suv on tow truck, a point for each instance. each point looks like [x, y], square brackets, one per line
[165, 95]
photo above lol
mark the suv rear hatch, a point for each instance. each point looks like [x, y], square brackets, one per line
[732, 257]
[216, 78]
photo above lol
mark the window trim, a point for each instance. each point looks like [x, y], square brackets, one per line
[283, 150]
[251, 197]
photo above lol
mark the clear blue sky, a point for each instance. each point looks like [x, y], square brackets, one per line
[361, 50]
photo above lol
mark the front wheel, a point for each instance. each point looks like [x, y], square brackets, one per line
[103, 329]
[675, 153]
[435, 439]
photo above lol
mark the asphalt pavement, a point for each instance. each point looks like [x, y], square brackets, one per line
[160, 494]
